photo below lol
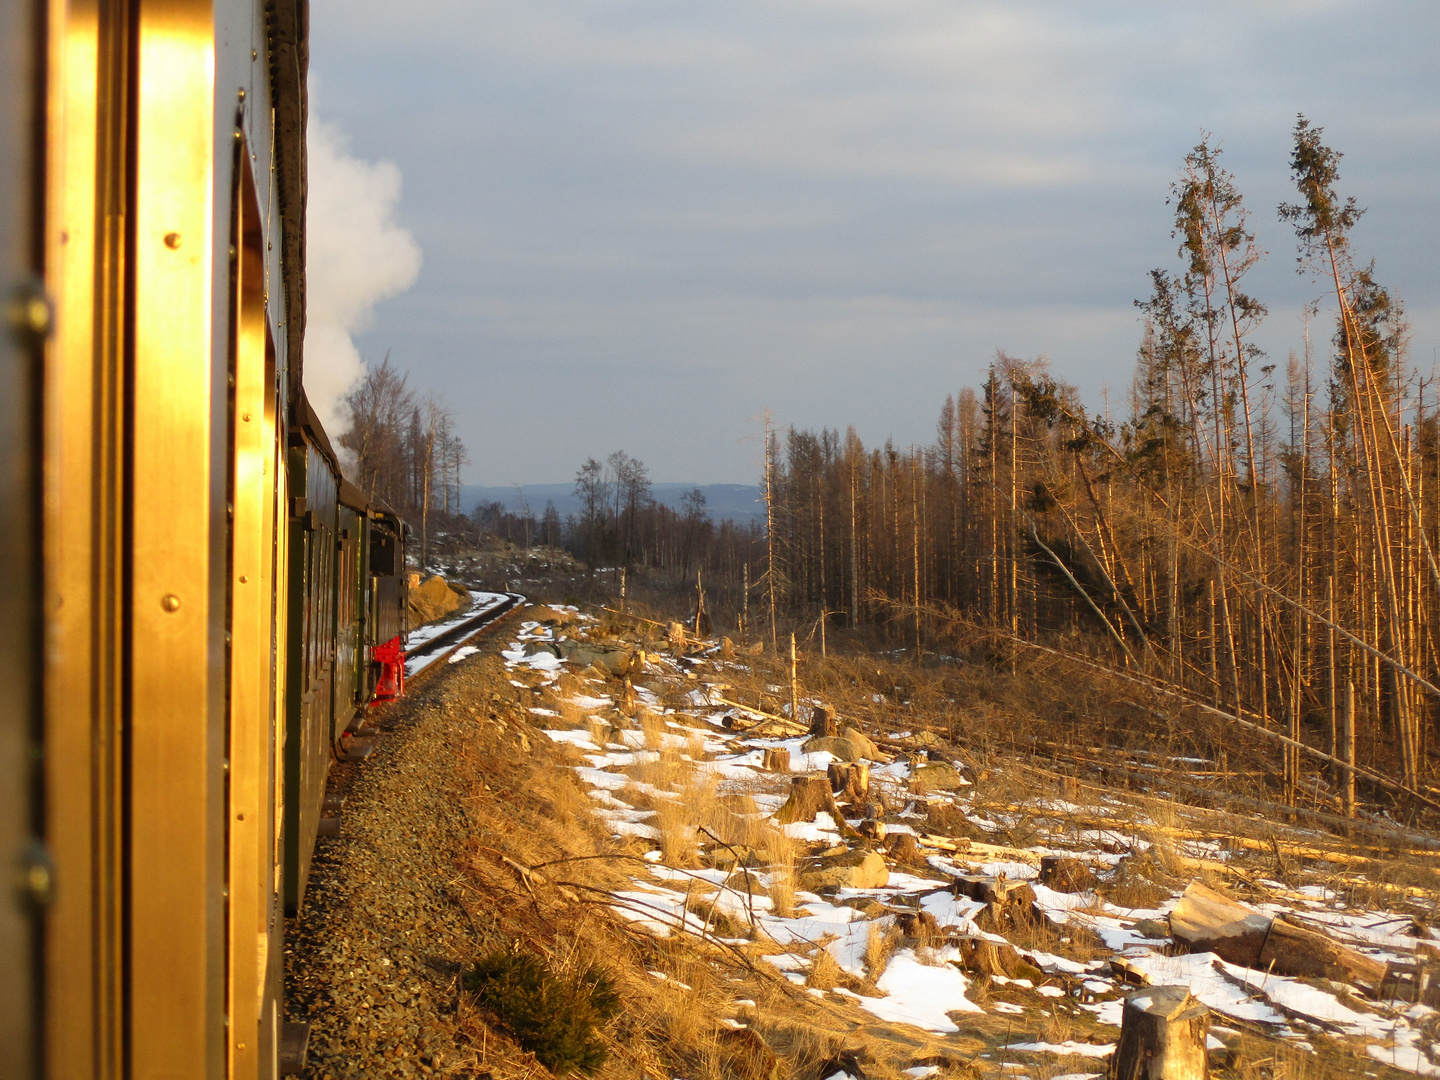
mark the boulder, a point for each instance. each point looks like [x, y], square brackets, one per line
[862, 743]
[548, 616]
[936, 776]
[857, 869]
[607, 658]
[434, 598]
[843, 748]
[728, 858]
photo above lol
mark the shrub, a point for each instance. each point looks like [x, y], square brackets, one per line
[556, 1017]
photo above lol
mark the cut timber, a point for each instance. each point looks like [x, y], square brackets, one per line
[822, 722]
[1297, 950]
[1162, 1036]
[777, 759]
[1205, 921]
[852, 782]
[767, 720]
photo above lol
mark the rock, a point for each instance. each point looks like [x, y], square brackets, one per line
[1153, 929]
[726, 858]
[925, 740]
[609, 659]
[857, 869]
[548, 616]
[433, 599]
[936, 776]
[841, 748]
[862, 743]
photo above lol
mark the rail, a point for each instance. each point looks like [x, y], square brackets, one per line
[437, 647]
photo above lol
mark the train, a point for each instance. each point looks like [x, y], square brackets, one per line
[201, 607]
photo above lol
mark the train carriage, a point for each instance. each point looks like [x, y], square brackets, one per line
[200, 593]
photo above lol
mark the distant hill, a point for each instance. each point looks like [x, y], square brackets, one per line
[738, 502]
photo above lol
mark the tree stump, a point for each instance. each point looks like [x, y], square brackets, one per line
[850, 781]
[871, 829]
[808, 796]
[1162, 1036]
[903, 848]
[822, 722]
[1065, 874]
[777, 759]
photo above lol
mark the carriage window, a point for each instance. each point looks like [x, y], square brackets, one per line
[382, 554]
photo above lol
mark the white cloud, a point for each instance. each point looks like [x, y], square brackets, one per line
[355, 255]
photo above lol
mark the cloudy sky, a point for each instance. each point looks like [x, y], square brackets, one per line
[643, 222]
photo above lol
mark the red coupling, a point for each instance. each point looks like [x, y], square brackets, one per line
[391, 658]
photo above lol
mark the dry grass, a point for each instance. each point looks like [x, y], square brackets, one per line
[880, 942]
[679, 839]
[825, 973]
[781, 886]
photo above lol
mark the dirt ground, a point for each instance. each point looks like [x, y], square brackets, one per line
[427, 874]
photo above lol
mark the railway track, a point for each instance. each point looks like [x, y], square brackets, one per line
[435, 650]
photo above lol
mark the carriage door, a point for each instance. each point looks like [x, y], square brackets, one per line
[255, 903]
[25, 325]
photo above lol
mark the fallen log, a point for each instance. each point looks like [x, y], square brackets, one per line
[1205, 921]
[1162, 1036]
[1294, 949]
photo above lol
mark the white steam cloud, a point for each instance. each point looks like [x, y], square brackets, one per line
[355, 256]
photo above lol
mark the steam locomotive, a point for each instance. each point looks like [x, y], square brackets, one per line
[199, 605]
